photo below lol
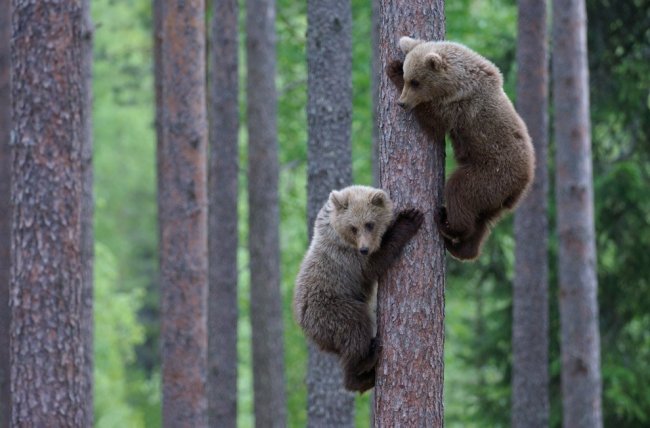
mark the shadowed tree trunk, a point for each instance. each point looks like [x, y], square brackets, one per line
[47, 344]
[329, 117]
[182, 205]
[5, 210]
[411, 295]
[580, 338]
[530, 400]
[264, 219]
[224, 161]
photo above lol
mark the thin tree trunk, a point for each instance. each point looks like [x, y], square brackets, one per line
[530, 399]
[329, 117]
[580, 338]
[182, 204]
[410, 312]
[264, 219]
[224, 161]
[47, 346]
[5, 210]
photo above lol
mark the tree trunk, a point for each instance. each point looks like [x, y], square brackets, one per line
[580, 339]
[376, 79]
[47, 346]
[224, 161]
[329, 117]
[530, 399]
[264, 220]
[182, 204]
[410, 312]
[5, 210]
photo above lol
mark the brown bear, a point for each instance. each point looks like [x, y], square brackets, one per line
[356, 239]
[452, 88]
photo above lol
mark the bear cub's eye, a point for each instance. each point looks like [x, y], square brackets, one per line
[354, 230]
[415, 83]
[369, 226]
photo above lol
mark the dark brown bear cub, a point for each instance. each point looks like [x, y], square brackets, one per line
[454, 89]
[356, 239]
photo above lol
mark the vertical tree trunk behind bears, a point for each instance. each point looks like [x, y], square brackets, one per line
[47, 345]
[182, 205]
[264, 219]
[222, 222]
[411, 295]
[5, 210]
[329, 167]
[375, 78]
[530, 399]
[580, 338]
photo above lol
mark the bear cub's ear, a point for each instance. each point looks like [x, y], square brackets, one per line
[378, 199]
[339, 200]
[406, 44]
[435, 61]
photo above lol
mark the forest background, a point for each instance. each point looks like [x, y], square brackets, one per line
[478, 296]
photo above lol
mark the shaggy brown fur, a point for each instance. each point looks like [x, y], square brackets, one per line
[355, 241]
[450, 86]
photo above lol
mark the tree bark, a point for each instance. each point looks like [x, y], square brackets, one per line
[410, 312]
[182, 204]
[264, 220]
[329, 167]
[47, 346]
[223, 170]
[580, 339]
[530, 399]
[376, 78]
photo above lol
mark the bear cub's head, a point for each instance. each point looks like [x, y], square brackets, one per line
[360, 216]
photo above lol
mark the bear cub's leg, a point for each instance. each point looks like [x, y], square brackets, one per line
[359, 375]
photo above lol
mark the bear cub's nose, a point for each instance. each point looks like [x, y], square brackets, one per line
[363, 250]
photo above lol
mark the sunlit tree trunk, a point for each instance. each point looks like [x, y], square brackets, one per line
[580, 338]
[223, 185]
[411, 296]
[47, 344]
[182, 212]
[329, 157]
[530, 399]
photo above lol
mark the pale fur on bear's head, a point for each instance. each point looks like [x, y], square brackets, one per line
[443, 71]
[360, 216]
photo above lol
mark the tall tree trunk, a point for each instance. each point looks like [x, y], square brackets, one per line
[224, 161]
[5, 210]
[264, 219]
[47, 346]
[530, 400]
[376, 79]
[182, 205]
[411, 296]
[580, 338]
[329, 157]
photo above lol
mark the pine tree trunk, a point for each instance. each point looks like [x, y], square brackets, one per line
[411, 295]
[580, 338]
[329, 117]
[264, 219]
[182, 205]
[224, 160]
[47, 345]
[376, 79]
[530, 399]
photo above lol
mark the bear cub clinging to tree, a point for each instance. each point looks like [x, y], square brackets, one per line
[453, 89]
[356, 239]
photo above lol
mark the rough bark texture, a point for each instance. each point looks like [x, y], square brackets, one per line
[410, 314]
[264, 222]
[182, 204]
[376, 78]
[47, 347]
[223, 170]
[329, 157]
[5, 210]
[530, 400]
[580, 339]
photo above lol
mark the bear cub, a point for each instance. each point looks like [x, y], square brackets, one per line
[357, 237]
[453, 89]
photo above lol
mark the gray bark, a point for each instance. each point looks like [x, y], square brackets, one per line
[47, 344]
[376, 77]
[222, 222]
[329, 157]
[182, 207]
[580, 338]
[410, 311]
[264, 221]
[530, 399]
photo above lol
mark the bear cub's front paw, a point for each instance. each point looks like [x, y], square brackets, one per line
[408, 222]
[395, 72]
[443, 224]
